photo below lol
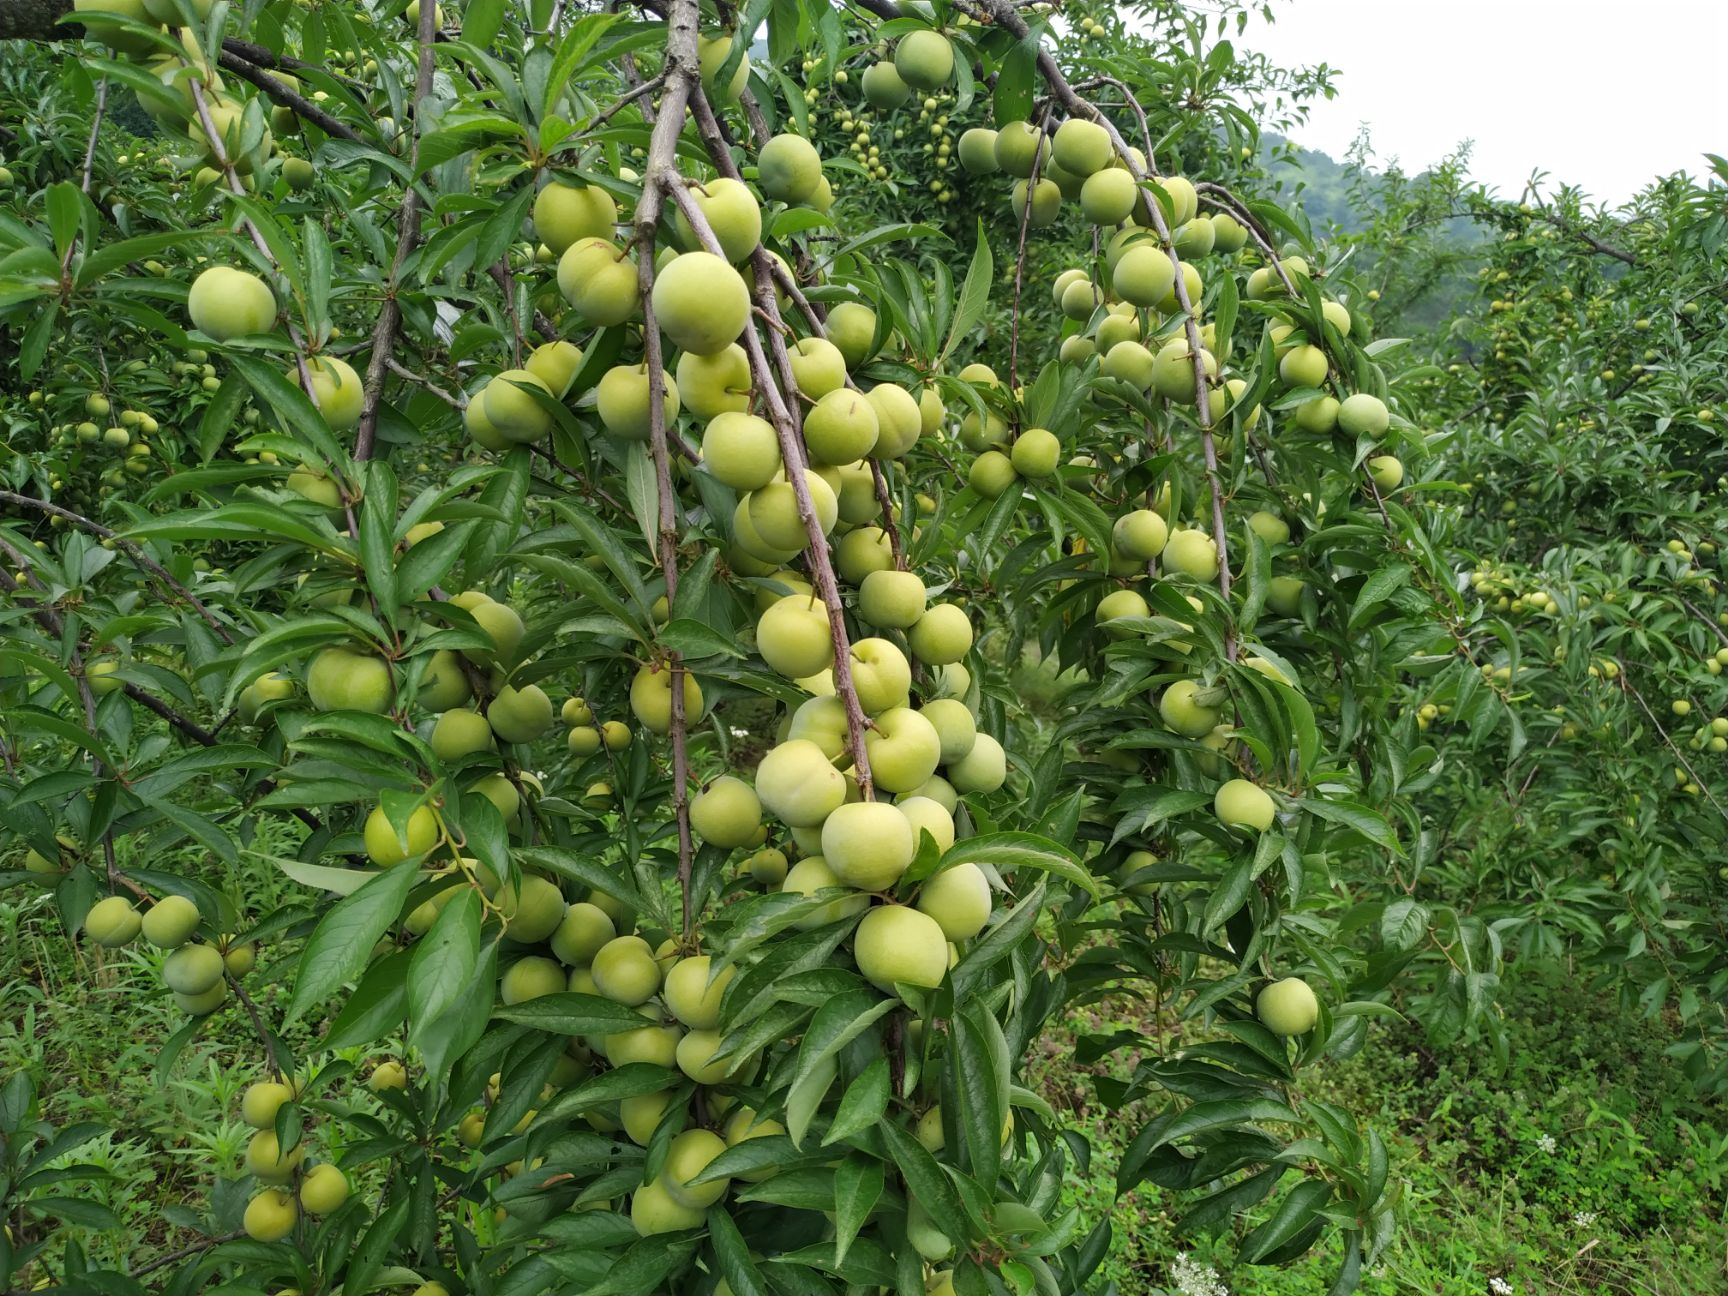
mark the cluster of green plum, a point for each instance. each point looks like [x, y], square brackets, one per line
[197, 973]
[288, 1186]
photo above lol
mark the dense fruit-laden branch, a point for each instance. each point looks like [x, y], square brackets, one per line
[661, 178]
[785, 422]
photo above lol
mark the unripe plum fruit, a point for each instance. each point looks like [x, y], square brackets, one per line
[458, 733]
[903, 748]
[385, 849]
[726, 813]
[709, 386]
[582, 933]
[741, 450]
[1287, 1007]
[701, 302]
[982, 770]
[693, 992]
[798, 785]
[112, 922]
[895, 944]
[323, 1189]
[532, 909]
[265, 1161]
[272, 1214]
[652, 1211]
[687, 1156]
[891, 600]
[942, 635]
[1241, 804]
[555, 364]
[1192, 553]
[817, 366]
[170, 922]
[1363, 415]
[599, 279]
[732, 212]
[868, 844]
[651, 698]
[807, 877]
[958, 898]
[341, 679]
[193, 969]
[794, 637]
[228, 303]
[1082, 147]
[338, 389]
[852, 328]
[899, 419]
[565, 214]
[520, 715]
[924, 60]
[530, 978]
[625, 971]
[841, 428]
[513, 411]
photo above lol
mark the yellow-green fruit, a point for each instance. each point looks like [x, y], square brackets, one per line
[977, 151]
[1303, 366]
[615, 734]
[530, 978]
[891, 599]
[701, 302]
[852, 328]
[817, 366]
[726, 813]
[709, 386]
[1363, 415]
[265, 689]
[798, 785]
[520, 715]
[982, 770]
[1046, 202]
[773, 513]
[1271, 528]
[881, 675]
[1192, 553]
[565, 214]
[1241, 804]
[1184, 199]
[955, 727]
[583, 933]
[512, 408]
[868, 844]
[272, 1214]
[555, 364]
[599, 279]
[1140, 535]
[686, 1157]
[1173, 369]
[575, 712]
[641, 1114]
[652, 1211]
[894, 944]
[767, 867]
[1144, 274]
[899, 418]
[1018, 144]
[1119, 604]
[1083, 147]
[788, 169]
[924, 60]
[621, 400]
[992, 474]
[925, 814]
[338, 390]
[903, 748]
[500, 623]
[113, 922]
[584, 740]
[651, 698]
[532, 909]
[809, 876]
[942, 635]
[201, 1005]
[1194, 239]
[691, 994]
[170, 922]
[1287, 1007]
[794, 637]
[1185, 713]
[1108, 197]
[732, 212]
[265, 1159]
[741, 450]
[711, 55]
[261, 1102]
[695, 1055]
[479, 427]
[228, 303]
[458, 733]
[1387, 472]
[743, 1125]
[36, 862]
[193, 969]
[1229, 234]
[958, 898]
[323, 1189]
[841, 428]
[1036, 453]
[884, 87]
[1318, 415]
[386, 849]
[299, 174]
[625, 971]
[651, 1043]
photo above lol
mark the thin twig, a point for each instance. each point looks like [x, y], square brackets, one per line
[277, 92]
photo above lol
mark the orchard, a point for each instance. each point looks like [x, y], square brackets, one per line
[638, 609]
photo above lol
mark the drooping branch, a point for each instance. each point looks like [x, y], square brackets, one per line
[784, 418]
[661, 178]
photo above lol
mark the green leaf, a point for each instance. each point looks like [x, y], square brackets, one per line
[863, 1104]
[857, 1188]
[571, 1014]
[1008, 851]
[836, 1024]
[342, 942]
[974, 293]
[444, 958]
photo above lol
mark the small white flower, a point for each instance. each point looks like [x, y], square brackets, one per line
[1584, 1219]
[1195, 1279]
[740, 733]
[1546, 1145]
[1499, 1286]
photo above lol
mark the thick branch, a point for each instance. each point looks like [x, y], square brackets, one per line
[277, 92]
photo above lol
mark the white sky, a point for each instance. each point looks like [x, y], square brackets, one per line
[1606, 96]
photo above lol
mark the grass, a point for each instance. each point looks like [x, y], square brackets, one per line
[1578, 1164]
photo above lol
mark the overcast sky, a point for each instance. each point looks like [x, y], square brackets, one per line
[1602, 95]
